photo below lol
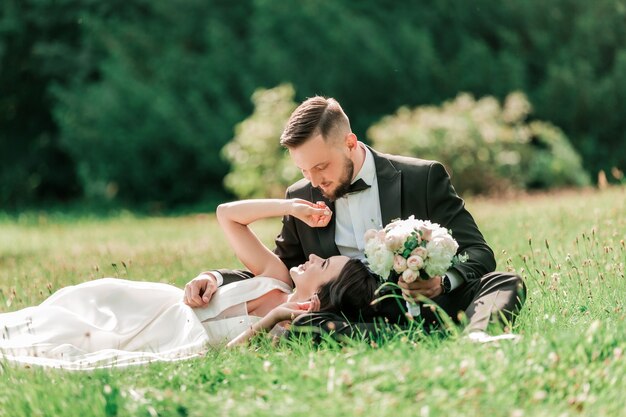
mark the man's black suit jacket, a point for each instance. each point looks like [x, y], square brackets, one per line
[407, 186]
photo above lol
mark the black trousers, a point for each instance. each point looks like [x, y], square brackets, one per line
[495, 299]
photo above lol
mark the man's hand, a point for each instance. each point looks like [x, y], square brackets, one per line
[198, 291]
[314, 215]
[429, 288]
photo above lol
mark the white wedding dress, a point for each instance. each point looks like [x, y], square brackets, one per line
[114, 322]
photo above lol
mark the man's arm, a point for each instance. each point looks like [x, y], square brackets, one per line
[448, 209]
[444, 206]
[232, 275]
[200, 290]
[288, 245]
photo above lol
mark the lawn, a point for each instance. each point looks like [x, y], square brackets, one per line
[568, 246]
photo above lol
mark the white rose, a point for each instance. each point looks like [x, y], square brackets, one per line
[370, 234]
[409, 276]
[399, 264]
[393, 224]
[393, 242]
[427, 232]
[415, 262]
[420, 251]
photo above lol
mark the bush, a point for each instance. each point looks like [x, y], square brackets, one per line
[487, 148]
[551, 161]
[260, 166]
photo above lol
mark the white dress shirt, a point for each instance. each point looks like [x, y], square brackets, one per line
[356, 213]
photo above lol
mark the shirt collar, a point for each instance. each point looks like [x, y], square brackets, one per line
[368, 171]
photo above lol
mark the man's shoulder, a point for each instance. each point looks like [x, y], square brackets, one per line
[299, 189]
[404, 163]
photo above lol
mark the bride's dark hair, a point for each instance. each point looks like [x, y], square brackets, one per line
[351, 293]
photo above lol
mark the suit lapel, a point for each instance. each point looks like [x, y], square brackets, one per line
[389, 188]
[389, 195]
[326, 235]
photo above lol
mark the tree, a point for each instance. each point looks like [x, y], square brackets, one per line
[151, 127]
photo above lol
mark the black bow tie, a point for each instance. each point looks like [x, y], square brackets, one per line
[358, 186]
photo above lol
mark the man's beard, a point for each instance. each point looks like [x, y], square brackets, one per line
[344, 182]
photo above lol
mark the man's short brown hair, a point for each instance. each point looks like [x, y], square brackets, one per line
[316, 115]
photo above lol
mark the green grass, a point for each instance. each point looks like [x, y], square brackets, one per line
[568, 246]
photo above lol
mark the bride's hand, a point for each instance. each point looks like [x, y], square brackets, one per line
[314, 215]
[291, 310]
[285, 311]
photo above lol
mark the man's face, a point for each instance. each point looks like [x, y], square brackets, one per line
[326, 164]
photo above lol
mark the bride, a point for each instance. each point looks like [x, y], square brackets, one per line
[114, 322]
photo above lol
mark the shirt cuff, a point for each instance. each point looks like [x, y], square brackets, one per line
[455, 279]
[218, 277]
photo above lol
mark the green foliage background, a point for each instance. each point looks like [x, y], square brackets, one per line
[134, 100]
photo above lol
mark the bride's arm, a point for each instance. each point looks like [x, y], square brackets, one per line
[265, 324]
[235, 217]
[286, 311]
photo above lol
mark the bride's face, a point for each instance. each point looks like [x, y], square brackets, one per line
[317, 271]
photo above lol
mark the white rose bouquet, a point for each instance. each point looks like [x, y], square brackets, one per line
[412, 249]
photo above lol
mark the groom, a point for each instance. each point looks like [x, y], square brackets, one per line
[366, 189]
